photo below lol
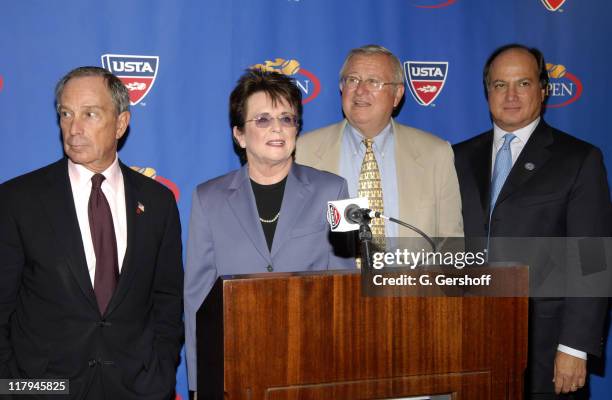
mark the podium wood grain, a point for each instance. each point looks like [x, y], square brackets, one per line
[314, 336]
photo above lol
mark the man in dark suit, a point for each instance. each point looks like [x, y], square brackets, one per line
[525, 178]
[90, 259]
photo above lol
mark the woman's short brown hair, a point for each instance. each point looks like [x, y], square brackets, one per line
[277, 86]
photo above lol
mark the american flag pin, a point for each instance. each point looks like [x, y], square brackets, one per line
[140, 208]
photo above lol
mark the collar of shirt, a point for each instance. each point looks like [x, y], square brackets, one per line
[517, 145]
[80, 177]
[379, 145]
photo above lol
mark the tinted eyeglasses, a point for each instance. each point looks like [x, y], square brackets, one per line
[265, 120]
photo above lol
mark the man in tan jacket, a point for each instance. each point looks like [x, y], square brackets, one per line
[419, 182]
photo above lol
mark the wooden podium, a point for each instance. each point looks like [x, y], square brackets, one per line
[314, 336]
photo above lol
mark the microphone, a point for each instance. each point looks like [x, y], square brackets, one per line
[353, 215]
[339, 219]
[357, 215]
[347, 215]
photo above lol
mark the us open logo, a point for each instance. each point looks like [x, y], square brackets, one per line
[138, 73]
[563, 88]
[553, 5]
[152, 173]
[333, 216]
[433, 3]
[425, 79]
[305, 80]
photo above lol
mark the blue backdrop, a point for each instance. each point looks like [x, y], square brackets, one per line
[181, 59]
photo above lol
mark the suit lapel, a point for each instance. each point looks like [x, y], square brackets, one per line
[481, 168]
[242, 202]
[297, 191]
[58, 204]
[134, 229]
[409, 174]
[533, 156]
[329, 151]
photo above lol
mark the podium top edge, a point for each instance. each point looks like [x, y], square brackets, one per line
[508, 266]
[283, 275]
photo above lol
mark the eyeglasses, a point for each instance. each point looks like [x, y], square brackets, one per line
[265, 120]
[373, 85]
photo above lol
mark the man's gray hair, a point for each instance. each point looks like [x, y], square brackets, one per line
[373, 49]
[119, 93]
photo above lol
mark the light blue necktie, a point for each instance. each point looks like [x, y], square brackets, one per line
[501, 169]
[503, 165]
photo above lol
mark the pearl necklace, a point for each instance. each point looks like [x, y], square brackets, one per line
[269, 221]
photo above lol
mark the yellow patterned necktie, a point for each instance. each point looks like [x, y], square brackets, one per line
[370, 186]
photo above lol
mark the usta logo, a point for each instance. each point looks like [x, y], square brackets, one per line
[137, 73]
[553, 5]
[132, 66]
[427, 72]
[425, 79]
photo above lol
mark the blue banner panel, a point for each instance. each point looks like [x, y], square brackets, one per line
[180, 60]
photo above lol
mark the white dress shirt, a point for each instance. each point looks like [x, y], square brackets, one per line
[113, 189]
[516, 146]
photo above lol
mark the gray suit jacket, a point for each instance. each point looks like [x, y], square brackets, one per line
[429, 195]
[226, 237]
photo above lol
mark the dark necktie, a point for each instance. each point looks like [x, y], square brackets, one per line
[104, 244]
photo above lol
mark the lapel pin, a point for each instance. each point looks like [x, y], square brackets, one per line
[529, 166]
[140, 208]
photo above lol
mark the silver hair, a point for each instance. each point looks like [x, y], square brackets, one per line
[373, 49]
[119, 93]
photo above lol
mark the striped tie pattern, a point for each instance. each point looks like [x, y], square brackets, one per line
[501, 169]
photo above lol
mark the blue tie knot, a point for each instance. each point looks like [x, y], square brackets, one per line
[508, 137]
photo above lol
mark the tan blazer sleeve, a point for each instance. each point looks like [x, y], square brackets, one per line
[450, 220]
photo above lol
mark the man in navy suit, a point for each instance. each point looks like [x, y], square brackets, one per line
[556, 186]
[90, 259]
